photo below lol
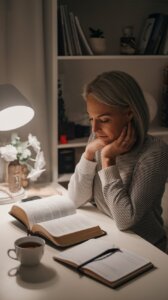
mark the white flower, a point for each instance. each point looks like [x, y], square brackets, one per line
[8, 152]
[21, 147]
[40, 161]
[15, 139]
[38, 167]
[34, 142]
[25, 155]
[23, 152]
[34, 174]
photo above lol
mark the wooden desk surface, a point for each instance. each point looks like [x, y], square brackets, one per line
[53, 281]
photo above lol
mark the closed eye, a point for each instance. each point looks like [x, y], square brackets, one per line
[101, 120]
[104, 120]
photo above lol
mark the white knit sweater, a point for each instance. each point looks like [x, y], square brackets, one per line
[130, 192]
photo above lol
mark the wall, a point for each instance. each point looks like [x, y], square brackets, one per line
[3, 41]
[23, 65]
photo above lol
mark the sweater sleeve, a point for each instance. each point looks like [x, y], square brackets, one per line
[128, 206]
[81, 183]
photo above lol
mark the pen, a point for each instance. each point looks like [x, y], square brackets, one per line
[101, 255]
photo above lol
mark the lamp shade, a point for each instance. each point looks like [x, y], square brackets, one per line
[15, 110]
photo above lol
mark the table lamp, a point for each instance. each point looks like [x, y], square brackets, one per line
[15, 111]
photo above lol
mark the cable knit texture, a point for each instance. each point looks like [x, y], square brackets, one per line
[130, 192]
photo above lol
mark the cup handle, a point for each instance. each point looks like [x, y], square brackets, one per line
[11, 256]
[13, 272]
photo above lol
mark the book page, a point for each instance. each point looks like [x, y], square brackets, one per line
[47, 208]
[66, 225]
[85, 251]
[117, 265]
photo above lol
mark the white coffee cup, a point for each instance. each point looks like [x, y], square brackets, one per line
[28, 250]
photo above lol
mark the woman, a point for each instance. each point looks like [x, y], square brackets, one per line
[123, 168]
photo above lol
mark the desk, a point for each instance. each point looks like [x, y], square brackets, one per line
[53, 281]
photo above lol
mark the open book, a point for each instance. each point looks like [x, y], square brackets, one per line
[56, 219]
[99, 259]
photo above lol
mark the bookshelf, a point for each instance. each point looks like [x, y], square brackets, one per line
[79, 69]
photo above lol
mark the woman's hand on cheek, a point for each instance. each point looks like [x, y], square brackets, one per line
[92, 147]
[126, 140]
[121, 145]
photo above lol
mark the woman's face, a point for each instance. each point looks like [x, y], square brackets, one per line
[107, 121]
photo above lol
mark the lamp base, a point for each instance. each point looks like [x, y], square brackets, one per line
[7, 197]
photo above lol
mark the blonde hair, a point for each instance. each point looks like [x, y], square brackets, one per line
[120, 89]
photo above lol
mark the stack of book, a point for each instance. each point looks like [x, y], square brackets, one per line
[154, 36]
[71, 37]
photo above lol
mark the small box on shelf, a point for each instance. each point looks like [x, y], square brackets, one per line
[66, 160]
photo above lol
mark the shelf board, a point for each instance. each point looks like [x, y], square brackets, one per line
[108, 57]
[76, 143]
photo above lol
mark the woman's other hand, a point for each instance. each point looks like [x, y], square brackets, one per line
[92, 147]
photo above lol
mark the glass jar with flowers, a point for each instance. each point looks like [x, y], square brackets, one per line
[25, 161]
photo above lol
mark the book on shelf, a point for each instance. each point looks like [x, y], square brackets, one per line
[146, 33]
[163, 48]
[156, 34]
[161, 34]
[78, 50]
[99, 259]
[67, 29]
[56, 219]
[62, 38]
[86, 49]
[71, 36]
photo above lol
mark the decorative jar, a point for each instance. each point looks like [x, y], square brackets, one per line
[14, 176]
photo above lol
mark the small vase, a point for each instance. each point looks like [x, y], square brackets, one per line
[24, 173]
[14, 176]
[3, 172]
[98, 45]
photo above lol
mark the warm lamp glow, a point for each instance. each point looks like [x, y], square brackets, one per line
[15, 110]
